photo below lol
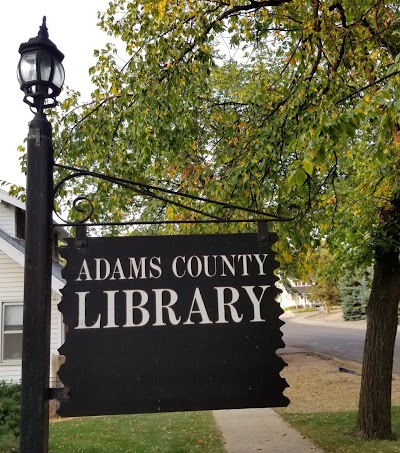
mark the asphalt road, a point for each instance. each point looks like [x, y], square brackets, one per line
[346, 343]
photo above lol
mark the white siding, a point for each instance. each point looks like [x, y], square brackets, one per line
[7, 219]
[10, 373]
[284, 298]
[56, 336]
[11, 290]
[11, 279]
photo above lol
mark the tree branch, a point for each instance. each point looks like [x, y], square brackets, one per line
[342, 14]
[252, 6]
[317, 29]
[388, 76]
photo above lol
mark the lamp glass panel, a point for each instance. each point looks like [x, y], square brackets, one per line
[28, 67]
[58, 78]
[45, 64]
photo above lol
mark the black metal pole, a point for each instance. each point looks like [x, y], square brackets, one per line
[37, 288]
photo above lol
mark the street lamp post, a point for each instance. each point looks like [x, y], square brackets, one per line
[41, 76]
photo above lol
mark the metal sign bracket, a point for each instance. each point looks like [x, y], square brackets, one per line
[263, 234]
[81, 236]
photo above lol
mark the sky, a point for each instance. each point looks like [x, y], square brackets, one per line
[72, 27]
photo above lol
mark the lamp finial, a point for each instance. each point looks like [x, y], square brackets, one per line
[43, 31]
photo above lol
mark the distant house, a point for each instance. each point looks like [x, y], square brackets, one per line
[12, 256]
[294, 293]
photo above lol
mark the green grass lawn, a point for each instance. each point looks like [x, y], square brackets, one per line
[334, 432]
[162, 433]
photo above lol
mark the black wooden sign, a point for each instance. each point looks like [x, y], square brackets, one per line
[171, 323]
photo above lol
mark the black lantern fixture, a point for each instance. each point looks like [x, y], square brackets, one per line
[40, 71]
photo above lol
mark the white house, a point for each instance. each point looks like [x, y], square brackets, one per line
[12, 238]
[294, 293]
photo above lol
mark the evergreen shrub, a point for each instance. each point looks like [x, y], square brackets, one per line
[10, 395]
[354, 295]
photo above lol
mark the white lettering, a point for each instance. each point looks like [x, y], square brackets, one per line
[82, 313]
[99, 268]
[198, 267]
[261, 262]
[139, 307]
[118, 270]
[110, 308]
[175, 266]
[198, 300]
[160, 308]
[256, 301]
[245, 258]
[222, 304]
[155, 262]
[166, 307]
[230, 266]
[135, 268]
[84, 272]
[206, 265]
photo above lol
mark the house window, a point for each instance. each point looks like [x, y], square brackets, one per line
[12, 331]
[20, 219]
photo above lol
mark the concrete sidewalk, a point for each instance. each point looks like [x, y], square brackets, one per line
[334, 319]
[260, 430]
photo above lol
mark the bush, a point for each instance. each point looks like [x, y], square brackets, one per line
[9, 416]
[9, 444]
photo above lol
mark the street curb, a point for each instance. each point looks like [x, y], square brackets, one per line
[304, 319]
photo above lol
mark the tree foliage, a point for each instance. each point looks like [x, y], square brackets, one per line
[354, 295]
[326, 293]
[307, 115]
[305, 112]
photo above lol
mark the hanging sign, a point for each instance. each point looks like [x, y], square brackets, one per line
[170, 323]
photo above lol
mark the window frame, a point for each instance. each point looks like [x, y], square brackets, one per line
[5, 304]
[20, 224]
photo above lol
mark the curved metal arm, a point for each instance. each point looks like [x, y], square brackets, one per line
[148, 190]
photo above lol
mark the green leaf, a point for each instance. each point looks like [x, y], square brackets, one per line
[299, 177]
[308, 167]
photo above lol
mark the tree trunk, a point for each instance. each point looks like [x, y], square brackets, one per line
[374, 415]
